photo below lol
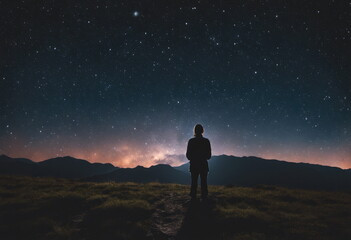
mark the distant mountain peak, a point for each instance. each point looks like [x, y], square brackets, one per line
[67, 158]
[164, 166]
[139, 167]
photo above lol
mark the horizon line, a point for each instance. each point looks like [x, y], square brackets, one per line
[267, 159]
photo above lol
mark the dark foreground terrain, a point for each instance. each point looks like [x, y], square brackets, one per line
[47, 208]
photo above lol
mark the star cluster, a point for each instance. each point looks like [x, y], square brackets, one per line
[125, 81]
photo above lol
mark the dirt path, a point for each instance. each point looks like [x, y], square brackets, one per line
[176, 217]
[168, 216]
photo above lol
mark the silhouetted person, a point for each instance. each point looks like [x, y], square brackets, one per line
[198, 152]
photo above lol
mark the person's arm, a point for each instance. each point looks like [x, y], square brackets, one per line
[188, 151]
[209, 153]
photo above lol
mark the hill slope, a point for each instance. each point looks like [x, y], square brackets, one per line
[17, 166]
[65, 167]
[249, 171]
[69, 167]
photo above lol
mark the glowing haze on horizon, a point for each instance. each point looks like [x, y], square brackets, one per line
[124, 82]
[172, 151]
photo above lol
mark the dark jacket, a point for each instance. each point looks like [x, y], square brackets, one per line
[198, 152]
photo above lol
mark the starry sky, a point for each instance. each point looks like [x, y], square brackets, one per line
[126, 81]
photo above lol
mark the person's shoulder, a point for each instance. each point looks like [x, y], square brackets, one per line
[206, 140]
[191, 139]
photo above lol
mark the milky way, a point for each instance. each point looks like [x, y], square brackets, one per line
[125, 81]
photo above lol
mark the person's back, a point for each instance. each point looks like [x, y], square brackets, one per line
[198, 152]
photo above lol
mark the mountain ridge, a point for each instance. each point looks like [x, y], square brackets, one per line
[224, 170]
[64, 167]
[162, 173]
[249, 171]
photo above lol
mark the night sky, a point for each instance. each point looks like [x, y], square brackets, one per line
[126, 81]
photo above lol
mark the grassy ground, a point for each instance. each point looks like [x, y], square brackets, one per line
[45, 208]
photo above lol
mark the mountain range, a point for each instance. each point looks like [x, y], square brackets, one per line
[224, 170]
[159, 173]
[250, 171]
[61, 167]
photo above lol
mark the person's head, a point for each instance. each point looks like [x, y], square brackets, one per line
[198, 130]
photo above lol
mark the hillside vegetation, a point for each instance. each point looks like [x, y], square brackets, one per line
[48, 208]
